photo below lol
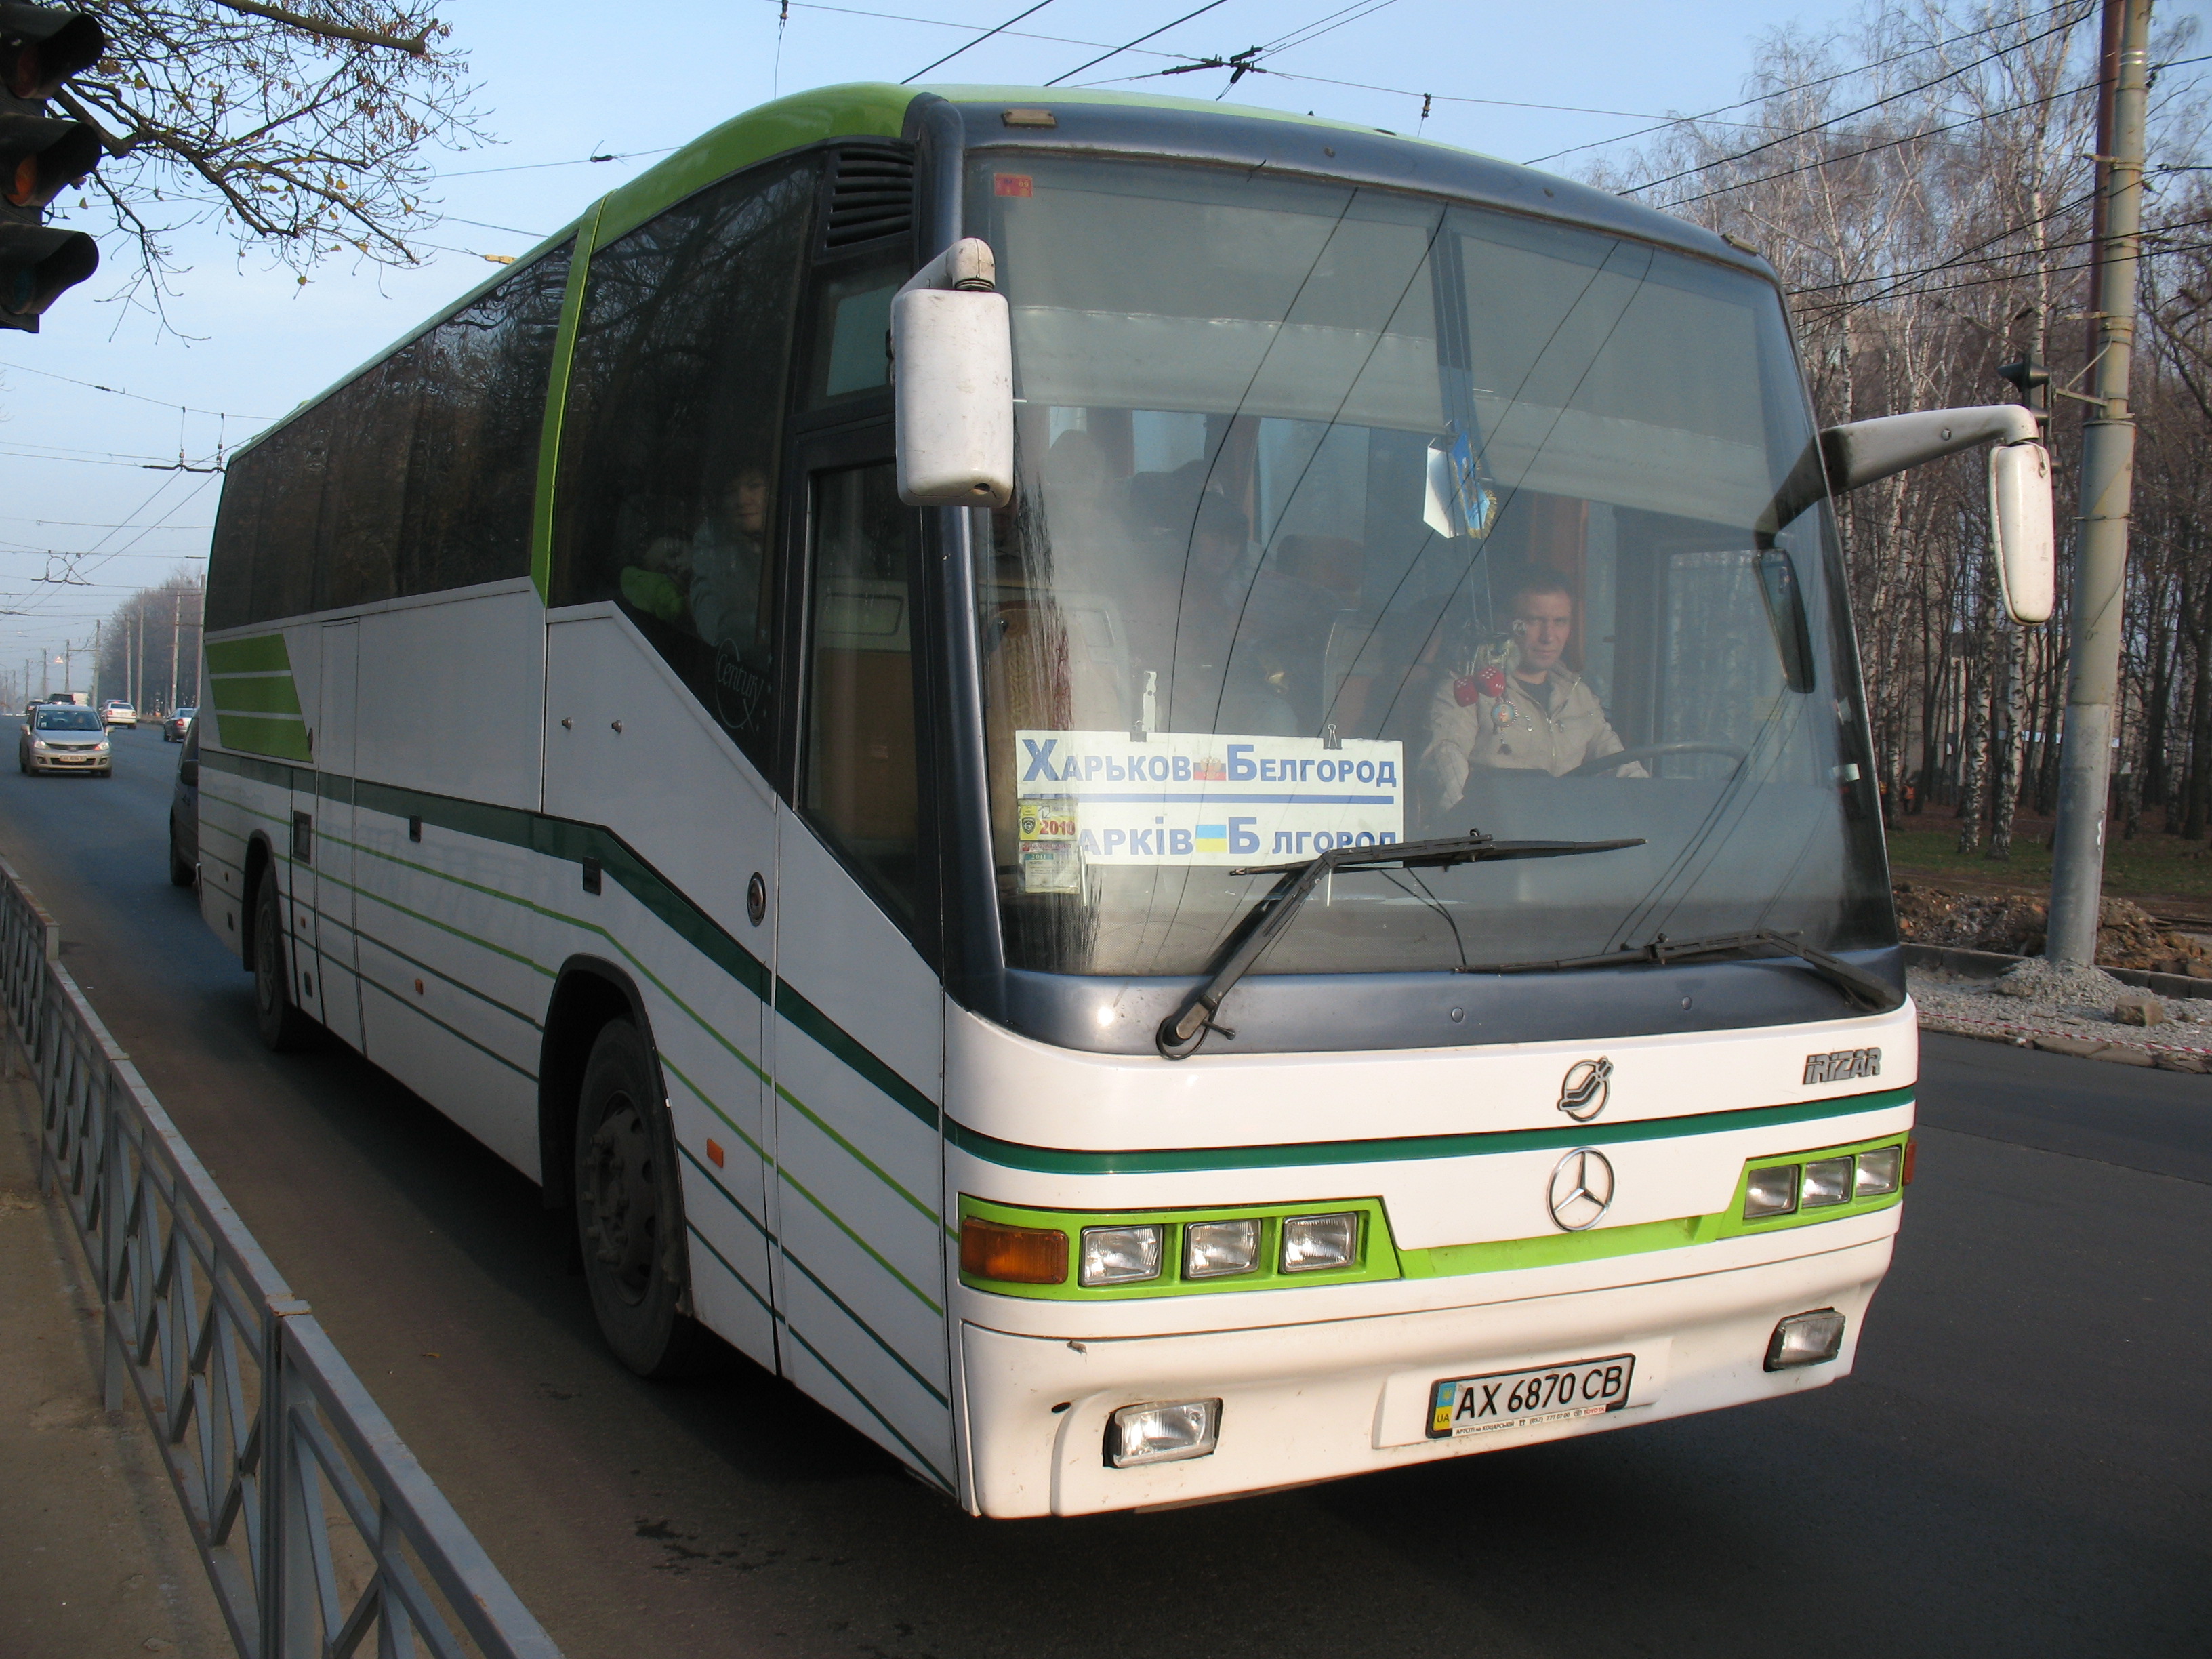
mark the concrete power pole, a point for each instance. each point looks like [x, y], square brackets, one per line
[2100, 554]
[176, 634]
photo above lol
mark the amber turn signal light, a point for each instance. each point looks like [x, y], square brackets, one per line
[1018, 1255]
[1912, 1158]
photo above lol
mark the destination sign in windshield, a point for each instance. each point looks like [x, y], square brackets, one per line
[1198, 799]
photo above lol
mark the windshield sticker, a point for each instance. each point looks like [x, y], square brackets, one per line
[1197, 798]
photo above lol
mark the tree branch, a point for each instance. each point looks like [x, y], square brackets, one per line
[417, 47]
[108, 141]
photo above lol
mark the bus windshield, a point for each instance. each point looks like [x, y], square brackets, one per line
[1345, 517]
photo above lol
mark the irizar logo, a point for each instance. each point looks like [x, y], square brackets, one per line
[1582, 1095]
[1842, 1064]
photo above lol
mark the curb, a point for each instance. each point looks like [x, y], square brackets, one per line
[2196, 1060]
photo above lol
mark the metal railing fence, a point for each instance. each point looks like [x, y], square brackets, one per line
[317, 1526]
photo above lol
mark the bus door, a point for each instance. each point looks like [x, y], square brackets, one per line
[323, 879]
[860, 1026]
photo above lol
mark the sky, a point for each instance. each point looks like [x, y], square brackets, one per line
[246, 342]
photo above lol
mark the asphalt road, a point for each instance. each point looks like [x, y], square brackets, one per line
[2020, 1466]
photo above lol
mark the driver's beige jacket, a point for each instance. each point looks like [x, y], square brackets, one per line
[1513, 731]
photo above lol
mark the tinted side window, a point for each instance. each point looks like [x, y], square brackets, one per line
[230, 555]
[478, 382]
[296, 461]
[669, 447]
[372, 422]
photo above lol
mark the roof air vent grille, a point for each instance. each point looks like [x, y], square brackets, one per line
[870, 195]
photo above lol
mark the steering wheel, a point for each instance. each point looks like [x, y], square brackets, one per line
[1653, 752]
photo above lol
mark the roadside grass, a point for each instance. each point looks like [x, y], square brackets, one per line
[2164, 866]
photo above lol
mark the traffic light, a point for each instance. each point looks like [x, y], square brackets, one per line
[40, 157]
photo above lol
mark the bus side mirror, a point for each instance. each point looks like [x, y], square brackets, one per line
[952, 358]
[2022, 531]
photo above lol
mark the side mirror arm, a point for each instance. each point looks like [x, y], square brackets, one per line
[1843, 458]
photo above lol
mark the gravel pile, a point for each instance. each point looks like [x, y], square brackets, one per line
[2077, 1012]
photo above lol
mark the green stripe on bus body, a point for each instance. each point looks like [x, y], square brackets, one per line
[262, 734]
[928, 1468]
[559, 838]
[839, 1222]
[1053, 1160]
[450, 1031]
[783, 1320]
[819, 1025]
[258, 694]
[730, 1268]
[573, 842]
[261, 654]
[363, 937]
[715, 1182]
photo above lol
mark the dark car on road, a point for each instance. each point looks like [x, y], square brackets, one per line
[185, 812]
[62, 737]
[176, 723]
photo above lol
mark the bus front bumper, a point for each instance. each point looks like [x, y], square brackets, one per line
[1321, 1400]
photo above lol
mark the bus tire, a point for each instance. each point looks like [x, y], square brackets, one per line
[282, 1026]
[180, 873]
[629, 1209]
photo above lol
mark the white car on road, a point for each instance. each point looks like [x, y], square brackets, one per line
[60, 737]
[120, 714]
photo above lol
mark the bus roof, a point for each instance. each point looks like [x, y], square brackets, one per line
[881, 110]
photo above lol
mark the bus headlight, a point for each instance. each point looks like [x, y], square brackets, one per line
[1121, 1255]
[1772, 1191]
[1216, 1249]
[1827, 1181]
[1315, 1243]
[1806, 1339]
[1162, 1434]
[1877, 1171]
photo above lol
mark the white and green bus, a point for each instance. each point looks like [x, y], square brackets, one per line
[1169, 801]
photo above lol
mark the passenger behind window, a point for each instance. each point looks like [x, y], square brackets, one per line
[728, 558]
[659, 583]
[1227, 678]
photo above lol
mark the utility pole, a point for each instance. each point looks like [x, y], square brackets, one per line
[96, 664]
[176, 634]
[2100, 553]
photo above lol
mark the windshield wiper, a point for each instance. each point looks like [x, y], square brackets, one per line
[1181, 1031]
[1859, 987]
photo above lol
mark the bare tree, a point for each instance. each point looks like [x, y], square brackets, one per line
[301, 131]
[1929, 213]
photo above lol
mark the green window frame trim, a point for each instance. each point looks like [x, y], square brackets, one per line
[1382, 1258]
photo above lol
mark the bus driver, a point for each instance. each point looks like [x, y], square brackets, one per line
[1516, 705]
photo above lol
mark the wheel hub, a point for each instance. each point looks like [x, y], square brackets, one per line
[623, 1204]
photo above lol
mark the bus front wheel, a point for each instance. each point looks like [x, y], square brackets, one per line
[629, 1209]
[279, 1021]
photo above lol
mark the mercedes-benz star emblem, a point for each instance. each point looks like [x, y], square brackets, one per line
[1582, 1188]
[1582, 1096]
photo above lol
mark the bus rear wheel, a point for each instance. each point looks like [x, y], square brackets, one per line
[282, 1026]
[630, 1210]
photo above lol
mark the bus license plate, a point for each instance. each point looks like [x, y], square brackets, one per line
[1512, 1400]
